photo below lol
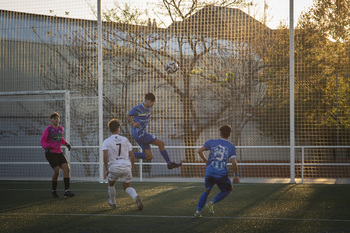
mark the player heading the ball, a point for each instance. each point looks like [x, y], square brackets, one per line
[139, 117]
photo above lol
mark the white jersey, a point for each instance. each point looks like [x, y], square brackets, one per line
[118, 150]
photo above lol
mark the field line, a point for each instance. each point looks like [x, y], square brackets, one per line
[98, 190]
[186, 217]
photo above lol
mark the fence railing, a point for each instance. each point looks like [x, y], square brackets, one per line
[336, 168]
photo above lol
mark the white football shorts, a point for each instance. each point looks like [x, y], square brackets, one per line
[122, 174]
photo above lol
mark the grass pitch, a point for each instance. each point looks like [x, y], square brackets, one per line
[169, 207]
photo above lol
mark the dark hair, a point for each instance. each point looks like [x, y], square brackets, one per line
[113, 125]
[150, 96]
[226, 131]
[55, 114]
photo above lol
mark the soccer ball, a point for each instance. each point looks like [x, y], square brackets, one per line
[171, 67]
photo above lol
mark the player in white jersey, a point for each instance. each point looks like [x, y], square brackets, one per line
[117, 151]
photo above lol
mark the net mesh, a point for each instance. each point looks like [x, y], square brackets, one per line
[233, 69]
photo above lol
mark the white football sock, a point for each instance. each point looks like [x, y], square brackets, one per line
[111, 193]
[132, 192]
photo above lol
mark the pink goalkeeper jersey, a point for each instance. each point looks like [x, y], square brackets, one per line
[53, 138]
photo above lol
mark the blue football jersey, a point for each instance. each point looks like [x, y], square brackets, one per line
[221, 150]
[141, 115]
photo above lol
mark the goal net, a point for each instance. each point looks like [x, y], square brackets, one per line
[25, 115]
[234, 68]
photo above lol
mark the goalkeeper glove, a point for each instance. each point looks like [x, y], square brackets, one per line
[68, 146]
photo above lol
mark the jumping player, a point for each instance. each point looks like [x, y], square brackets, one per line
[139, 117]
[117, 150]
[216, 172]
[51, 141]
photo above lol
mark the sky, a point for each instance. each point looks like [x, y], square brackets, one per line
[278, 9]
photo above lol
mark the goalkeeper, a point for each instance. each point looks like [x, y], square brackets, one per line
[216, 172]
[51, 141]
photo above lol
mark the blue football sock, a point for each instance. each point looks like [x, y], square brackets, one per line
[202, 200]
[165, 155]
[220, 196]
[139, 155]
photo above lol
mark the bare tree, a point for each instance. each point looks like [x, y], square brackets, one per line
[218, 71]
[235, 85]
[195, 43]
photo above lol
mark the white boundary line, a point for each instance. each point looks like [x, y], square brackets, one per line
[186, 217]
[101, 190]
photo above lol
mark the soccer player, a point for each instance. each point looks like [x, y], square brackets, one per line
[216, 172]
[117, 150]
[51, 141]
[139, 117]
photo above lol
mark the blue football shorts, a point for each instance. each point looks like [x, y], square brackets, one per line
[145, 140]
[223, 183]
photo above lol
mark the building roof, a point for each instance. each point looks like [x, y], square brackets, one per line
[221, 22]
[210, 21]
